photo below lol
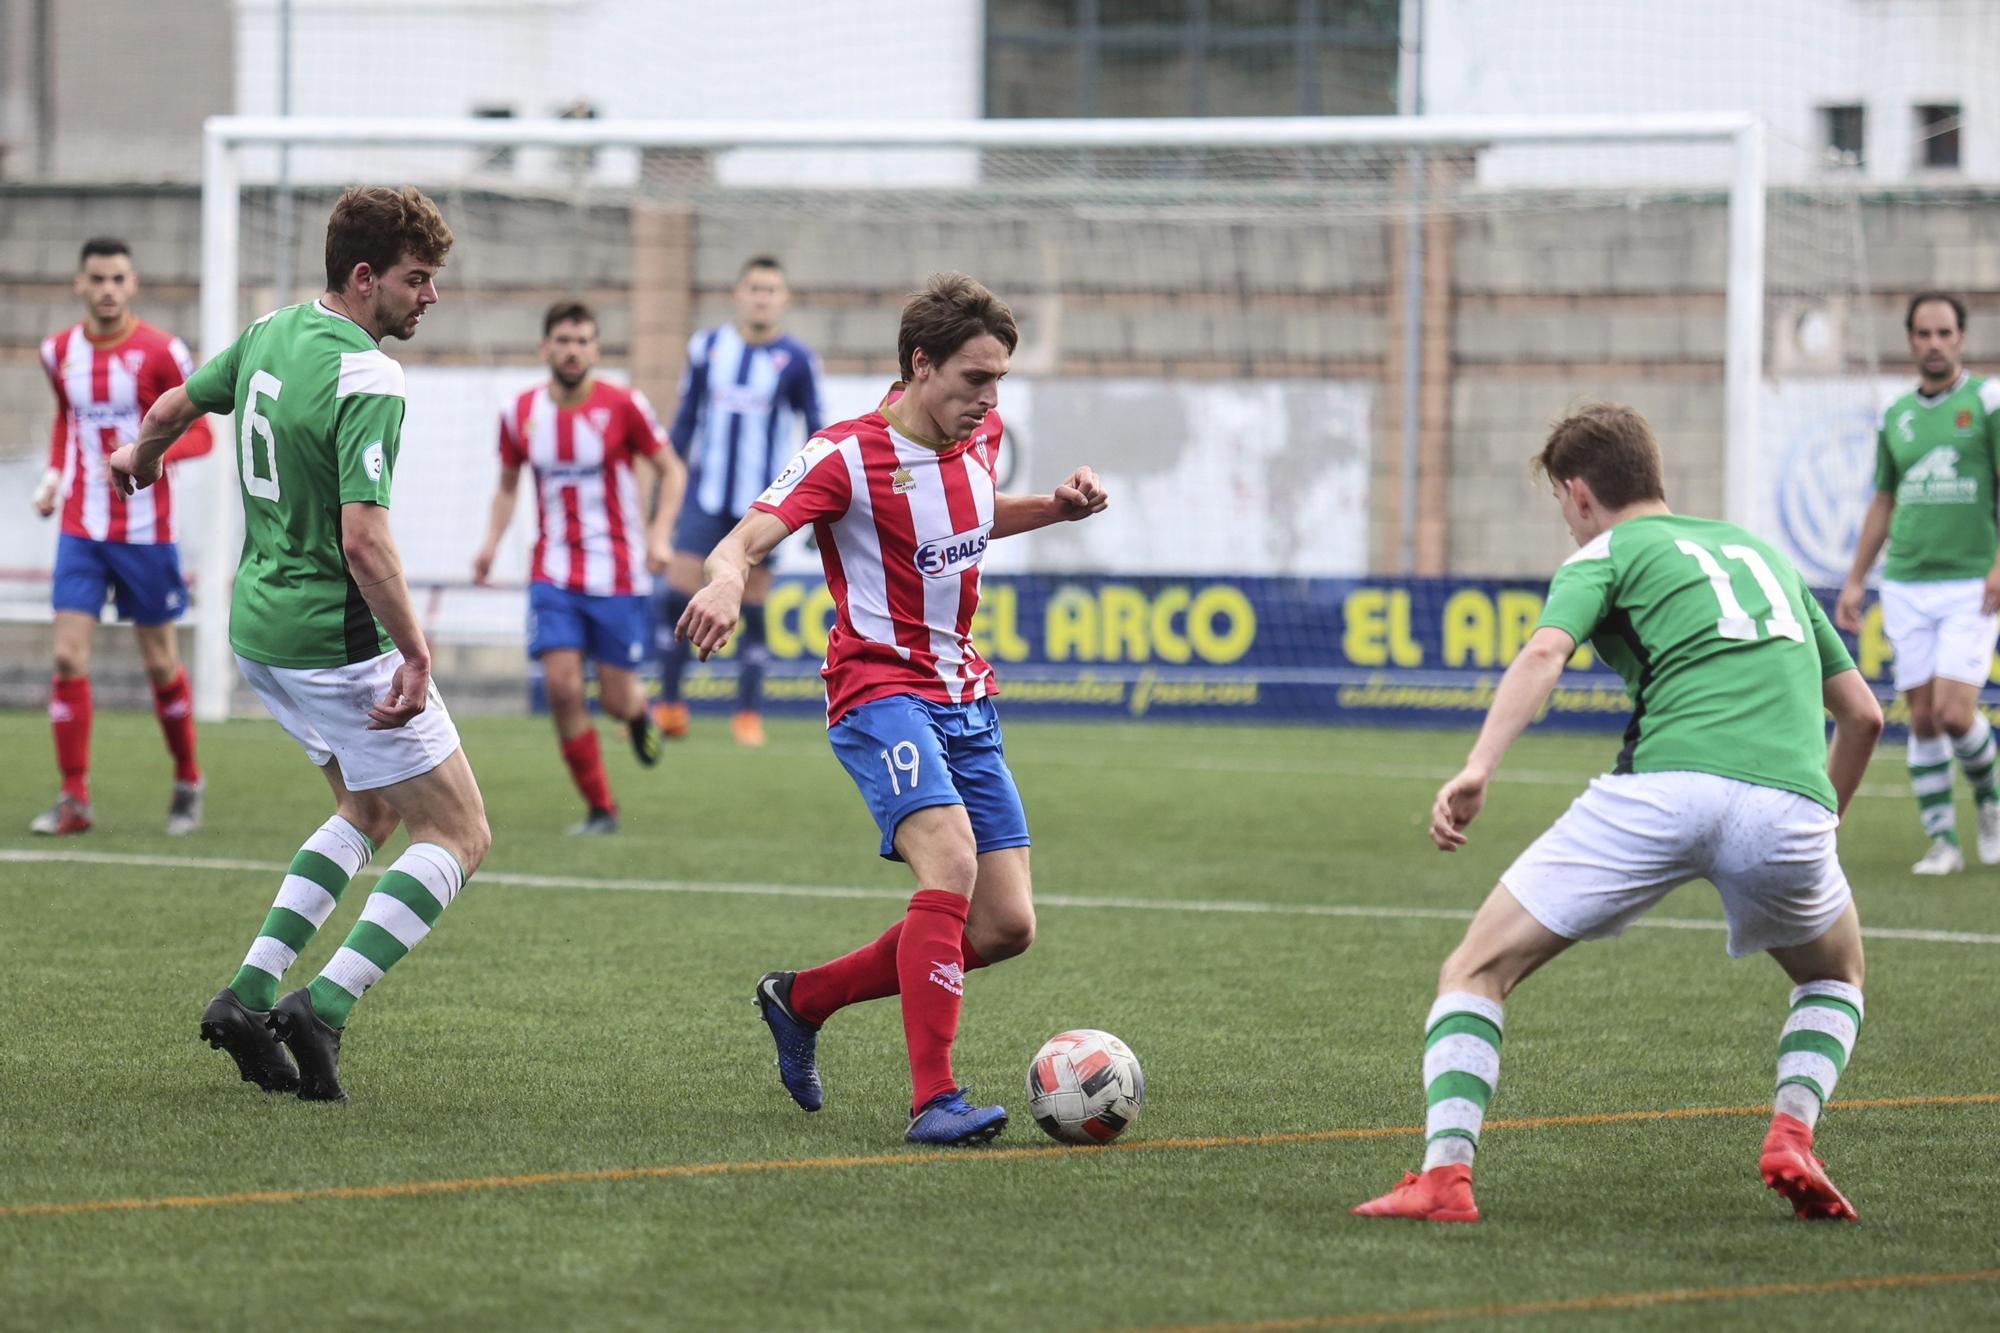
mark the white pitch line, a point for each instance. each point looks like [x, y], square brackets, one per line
[1224, 906]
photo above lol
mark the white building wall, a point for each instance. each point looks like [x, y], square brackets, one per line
[1781, 59]
[629, 59]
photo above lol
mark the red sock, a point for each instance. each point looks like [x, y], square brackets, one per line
[930, 970]
[174, 706]
[69, 718]
[869, 973]
[586, 765]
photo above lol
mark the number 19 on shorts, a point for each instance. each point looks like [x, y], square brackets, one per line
[899, 759]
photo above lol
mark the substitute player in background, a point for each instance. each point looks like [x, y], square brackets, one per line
[749, 397]
[903, 503]
[1726, 775]
[324, 630]
[106, 372]
[586, 440]
[1935, 457]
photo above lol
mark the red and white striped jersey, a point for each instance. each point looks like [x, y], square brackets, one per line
[901, 529]
[593, 531]
[102, 393]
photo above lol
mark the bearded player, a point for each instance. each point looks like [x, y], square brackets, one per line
[106, 372]
[588, 442]
[1935, 457]
[903, 504]
[325, 632]
[1726, 775]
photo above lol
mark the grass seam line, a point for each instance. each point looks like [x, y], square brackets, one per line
[1620, 1300]
[1206, 906]
[683, 1170]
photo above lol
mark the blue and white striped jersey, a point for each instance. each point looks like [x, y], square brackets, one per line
[745, 409]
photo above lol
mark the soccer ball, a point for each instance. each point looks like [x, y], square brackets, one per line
[1084, 1086]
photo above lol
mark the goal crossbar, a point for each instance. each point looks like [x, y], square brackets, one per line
[222, 179]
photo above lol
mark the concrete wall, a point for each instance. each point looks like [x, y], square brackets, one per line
[1528, 310]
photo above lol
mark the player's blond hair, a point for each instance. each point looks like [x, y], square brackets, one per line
[1611, 448]
[950, 311]
[379, 227]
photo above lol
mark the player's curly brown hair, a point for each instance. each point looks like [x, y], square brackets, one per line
[1611, 448]
[379, 226]
[950, 311]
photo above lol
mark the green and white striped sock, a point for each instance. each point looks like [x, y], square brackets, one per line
[313, 883]
[1975, 751]
[409, 898]
[1814, 1045]
[1461, 1067]
[1930, 779]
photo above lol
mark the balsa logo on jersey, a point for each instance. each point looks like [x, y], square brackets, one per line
[950, 556]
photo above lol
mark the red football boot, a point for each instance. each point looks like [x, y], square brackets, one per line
[1441, 1194]
[1789, 1167]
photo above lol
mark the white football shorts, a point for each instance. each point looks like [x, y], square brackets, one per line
[325, 709]
[1633, 838]
[1936, 630]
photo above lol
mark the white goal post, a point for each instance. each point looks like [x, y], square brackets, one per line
[1737, 139]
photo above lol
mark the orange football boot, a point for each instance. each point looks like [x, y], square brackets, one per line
[1789, 1167]
[1441, 1194]
[671, 719]
[748, 728]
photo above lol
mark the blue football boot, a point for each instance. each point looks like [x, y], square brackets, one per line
[798, 1040]
[948, 1120]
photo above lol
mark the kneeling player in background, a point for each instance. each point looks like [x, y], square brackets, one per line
[585, 439]
[903, 503]
[1726, 775]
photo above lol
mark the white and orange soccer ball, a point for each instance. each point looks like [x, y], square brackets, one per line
[1084, 1086]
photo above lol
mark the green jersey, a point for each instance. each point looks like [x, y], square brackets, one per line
[1937, 457]
[319, 419]
[1721, 645]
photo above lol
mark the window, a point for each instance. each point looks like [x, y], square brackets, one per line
[1841, 132]
[1191, 57]
[1937, 135]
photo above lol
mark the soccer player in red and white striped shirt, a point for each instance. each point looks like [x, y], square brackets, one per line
[903, 503]
[106, 371]
[586, 441]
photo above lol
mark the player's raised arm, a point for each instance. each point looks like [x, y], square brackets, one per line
[1080, 495]
[1523, 690]
[712, 613]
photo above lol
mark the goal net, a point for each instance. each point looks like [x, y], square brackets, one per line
[1310, 357]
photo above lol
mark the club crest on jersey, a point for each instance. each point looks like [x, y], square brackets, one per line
[1964, 420]
[600, 418]
[948, 557]
[780, 358]
[133, 360]
[901, 482]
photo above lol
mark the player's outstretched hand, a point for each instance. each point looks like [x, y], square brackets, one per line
[409, 691]
[1457, 805]
[1081, 495]
[130, 472]
[45, 493]
[710, 618]
[1847, 608]
[658, 556]
[482, 566]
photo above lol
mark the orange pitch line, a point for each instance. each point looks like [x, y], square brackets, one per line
[466, 1184]
[1622, 1300]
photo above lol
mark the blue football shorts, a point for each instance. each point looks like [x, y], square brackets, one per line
[906, 753]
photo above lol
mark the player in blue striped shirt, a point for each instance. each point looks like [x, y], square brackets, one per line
[749, 399]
